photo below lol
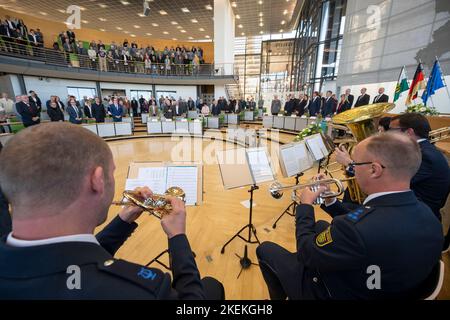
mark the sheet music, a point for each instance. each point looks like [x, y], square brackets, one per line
[156, 176]
[317, 147]
[295, 159]
[132, 184]
[260, 165]
[186, 179]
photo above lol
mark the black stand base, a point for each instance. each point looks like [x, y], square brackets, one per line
[290, 211]
[245, 261]
[156, 259]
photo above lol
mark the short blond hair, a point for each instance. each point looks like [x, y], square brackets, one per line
[397, 151]
[46, 164]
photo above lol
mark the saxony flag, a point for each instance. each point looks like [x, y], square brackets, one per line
[402, 84]
[417, 84]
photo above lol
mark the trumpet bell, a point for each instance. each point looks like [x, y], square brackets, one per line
[275, 190]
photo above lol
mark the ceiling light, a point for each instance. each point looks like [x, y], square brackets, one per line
[191, 38]
[43, 13]
[174, 23]
[126, 32]
[133, 35]
[102, 19]
[208, 7]
[141, 15]
[183, 31]
[62, 11]
[84, 21]
[240, 26]
[261, 14]
[125, 3]
[148, 34]
[102, 5]
[136, 27]
[207, 37]
[119, 28]
[260, 2]
[285, 12]
[155, 24]
[82, 8]
[283, 22]
[261, 24]
[174, 39]
[243, 34]
[165, 32]
[179, 27]
[162, 12]
[261, 32]
[238, 16]
[281, 30]
[201, 29]
[185, 10]
[234, 4]
[103, 30]
[194, 21]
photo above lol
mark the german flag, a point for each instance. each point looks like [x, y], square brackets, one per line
[417, 84]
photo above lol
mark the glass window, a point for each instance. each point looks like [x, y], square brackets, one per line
[80, 93]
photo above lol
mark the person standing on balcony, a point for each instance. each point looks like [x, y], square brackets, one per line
[102, 60]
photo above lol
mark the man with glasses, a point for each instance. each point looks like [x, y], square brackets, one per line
[384, 249]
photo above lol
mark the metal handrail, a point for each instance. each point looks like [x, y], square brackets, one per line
[106, 64]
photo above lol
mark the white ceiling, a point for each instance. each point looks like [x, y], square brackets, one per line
[124, 17]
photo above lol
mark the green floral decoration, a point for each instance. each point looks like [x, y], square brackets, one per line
[422, 109]
[312, 129]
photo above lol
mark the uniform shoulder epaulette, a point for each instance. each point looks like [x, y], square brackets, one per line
[358, 214]
[149, 279]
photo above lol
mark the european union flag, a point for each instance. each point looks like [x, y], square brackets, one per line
[434, 83]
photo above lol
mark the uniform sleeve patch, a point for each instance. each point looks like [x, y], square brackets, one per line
[324, 238]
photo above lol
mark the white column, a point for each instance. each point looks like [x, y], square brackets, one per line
[223, 37]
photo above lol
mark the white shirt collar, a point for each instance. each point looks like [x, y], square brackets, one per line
[380, 194]
[33, 243]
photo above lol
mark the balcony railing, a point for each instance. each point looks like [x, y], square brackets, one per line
[109, 64]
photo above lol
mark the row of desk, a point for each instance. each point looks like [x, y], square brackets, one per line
[156, 126]
[111, 129]
[287, 123]
[229, 118]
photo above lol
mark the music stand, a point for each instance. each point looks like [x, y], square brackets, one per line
[249, 175]
[290, 211]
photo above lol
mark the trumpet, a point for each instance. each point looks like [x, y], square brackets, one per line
[276, 189]
[156, 205]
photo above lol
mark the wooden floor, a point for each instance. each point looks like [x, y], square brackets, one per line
[210, 225]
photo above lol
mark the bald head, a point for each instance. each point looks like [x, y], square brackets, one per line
[47, 165]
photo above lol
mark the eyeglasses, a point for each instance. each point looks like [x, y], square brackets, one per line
[354, 164]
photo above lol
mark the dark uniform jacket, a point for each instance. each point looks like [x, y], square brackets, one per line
[395, 232]
[432, 181]
[41, 272]
[362, 101]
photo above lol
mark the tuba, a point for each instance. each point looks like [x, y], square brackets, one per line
[362, 122]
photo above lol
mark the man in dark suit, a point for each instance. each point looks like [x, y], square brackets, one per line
[275, 107]
[36, 101]
[329, 105]
[350, 98]
[348, 259]
[315, 104]
[53, 228]
[116, 110]
[363, 99]
[134, 106]
[191, 104]
[381, 97]
[302, 105]
[178, 109]
[431, 184]
[289, 105]
[28, 112]
[215, 109]
[88, 112]
[98, 111]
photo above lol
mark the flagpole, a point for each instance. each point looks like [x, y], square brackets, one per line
[443, 78]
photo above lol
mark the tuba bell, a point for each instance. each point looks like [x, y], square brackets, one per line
[156, 205]
[362, 122]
